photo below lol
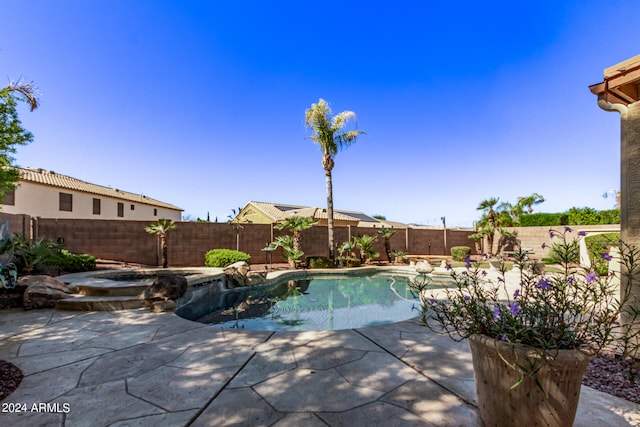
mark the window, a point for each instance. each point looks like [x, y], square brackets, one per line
[155, 212]
[120, 210]
[133, 207]
[66, 202]
[96, 206]
[10, 198]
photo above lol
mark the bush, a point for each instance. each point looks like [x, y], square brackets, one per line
[459, 253]
[596, 246]
[71, 263]
[224, 257]
[574, 216]
[319, 262]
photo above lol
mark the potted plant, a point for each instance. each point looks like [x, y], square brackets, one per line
[532, 338]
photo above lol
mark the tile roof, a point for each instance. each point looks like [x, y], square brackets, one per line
[278, 211]
[45, 177]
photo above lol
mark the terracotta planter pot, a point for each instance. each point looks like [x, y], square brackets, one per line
[560, 376]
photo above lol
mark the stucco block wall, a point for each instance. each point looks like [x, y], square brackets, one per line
[127, 241]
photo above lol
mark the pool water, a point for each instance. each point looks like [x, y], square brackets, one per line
[319, 304]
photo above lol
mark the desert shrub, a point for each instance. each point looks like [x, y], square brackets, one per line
[564, 253]
[596, 246]
[71, 263]
[224, 257]
[319, 262]
[35, 256]
[459, 253]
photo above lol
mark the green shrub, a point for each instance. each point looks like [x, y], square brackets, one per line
[71, 263]
[574, 216]
[459, 253]
[224, 257]
[319, 262]
[596, 246]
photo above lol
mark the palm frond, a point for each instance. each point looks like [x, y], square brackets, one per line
[26, 91]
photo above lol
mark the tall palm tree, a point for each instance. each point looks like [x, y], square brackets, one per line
[296, 224]
[161, 228]
[330, 134]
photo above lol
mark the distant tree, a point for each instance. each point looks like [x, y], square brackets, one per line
[381, 217]
[161, 228]
[12, 133]
[328, 132]
[529, 201]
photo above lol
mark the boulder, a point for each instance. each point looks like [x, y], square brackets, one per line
[165, 288]
[42, 291]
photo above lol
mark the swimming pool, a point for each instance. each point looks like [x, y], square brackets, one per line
[316, 303]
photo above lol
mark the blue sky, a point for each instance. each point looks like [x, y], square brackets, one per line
[201, 103]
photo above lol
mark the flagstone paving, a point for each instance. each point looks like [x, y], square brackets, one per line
[134, 368]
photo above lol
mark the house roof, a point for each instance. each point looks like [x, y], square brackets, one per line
[279, 211]
[45, 177]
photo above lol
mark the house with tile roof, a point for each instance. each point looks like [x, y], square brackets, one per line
[47, 194]
[270, 213]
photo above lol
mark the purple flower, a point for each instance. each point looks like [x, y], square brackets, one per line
[606, 256]
[516, 294]
[496, 313]
[591, 277]
[543, 284]
[551, 234]
[582, 233]
[568, 229]
[447, 266]
[467, 298]
[570, 279]
[544, 245]
[467, 261]
[484, 272]
[503, 337]
[485, 256]
[514, 308]
[432, 301]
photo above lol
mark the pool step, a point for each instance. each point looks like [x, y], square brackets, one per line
[99, 303]
[111, 289]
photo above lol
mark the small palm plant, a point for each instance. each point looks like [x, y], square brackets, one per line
[386, 234]
[365, 245]
[293, 255]
[161, 228]
[296, 224]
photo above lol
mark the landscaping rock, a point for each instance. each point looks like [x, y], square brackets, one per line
[238, 275]
[162, 306]
[164, 288]
[42, 291]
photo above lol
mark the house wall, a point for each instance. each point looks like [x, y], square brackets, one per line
[44, 201]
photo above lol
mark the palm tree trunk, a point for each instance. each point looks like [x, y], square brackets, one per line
[163, 247]
[387, 248]
[330, 214]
